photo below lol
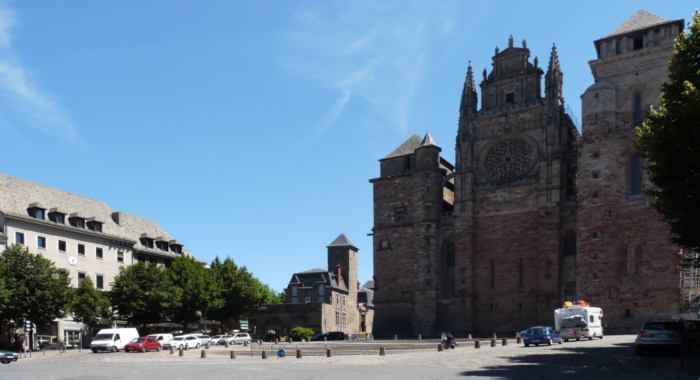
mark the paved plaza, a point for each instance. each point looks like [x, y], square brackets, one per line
[609, 358]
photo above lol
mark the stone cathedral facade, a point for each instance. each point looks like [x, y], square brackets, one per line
[532, 212]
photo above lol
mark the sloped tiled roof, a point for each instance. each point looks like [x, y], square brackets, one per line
[312, 277]
[639, 20]
[342, 241]
[408, 147]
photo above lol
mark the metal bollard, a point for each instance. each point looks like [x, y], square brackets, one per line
[518, 340]
[504, 342]
[233, 354]
[494, 336]
[477, 344]
[396, 337]
[172, 350]
[264, 354]
[420, 337]
[226, 343]
[328, 353]
[299, 355]
[291, 340]
[440, 348]
[245, 343]
[382, 352]
[182, 353]
[204, 354]
[469, 336]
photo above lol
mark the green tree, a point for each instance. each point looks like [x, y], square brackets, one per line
[670, 141]
[34, 288]
[4, 295]
[198, 289]
[143, 294]
[239, 290]
[269, 296]
[301, 333]
[88, 304]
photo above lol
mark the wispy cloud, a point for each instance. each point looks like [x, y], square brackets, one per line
[373, 51]
[21, 97]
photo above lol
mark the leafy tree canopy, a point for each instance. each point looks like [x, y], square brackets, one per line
[670, 140]
[34, 288]
[89, 304]
[144, 294]
[199, 289]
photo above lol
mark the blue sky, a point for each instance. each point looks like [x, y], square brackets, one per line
[251, 129]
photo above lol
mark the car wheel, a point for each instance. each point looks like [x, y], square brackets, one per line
[560, 341]
[113, 349]
[601, 337]
[527, 345]
[144, 349]
[578, 339]
[248, 341]
[94, 351]
[4, 361]
[590, 338]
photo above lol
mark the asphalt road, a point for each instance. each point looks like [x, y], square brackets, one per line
[610, 358]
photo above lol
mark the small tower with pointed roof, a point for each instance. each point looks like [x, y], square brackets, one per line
[342, 260]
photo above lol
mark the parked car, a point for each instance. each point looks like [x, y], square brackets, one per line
[240, 338]
[541, 335]
[333, 335]
[660, 334]
[7, 357]
[216, 339]
[161, 338]
[142, 344]
[113, 339]
[204, 339]
[183, 341]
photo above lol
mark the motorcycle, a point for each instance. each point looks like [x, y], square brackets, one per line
[448, 341]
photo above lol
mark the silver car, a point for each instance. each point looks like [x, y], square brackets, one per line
[663, 334]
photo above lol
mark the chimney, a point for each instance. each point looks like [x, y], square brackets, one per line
[340, 274]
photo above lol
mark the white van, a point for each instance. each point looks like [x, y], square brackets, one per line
[113, 340]
[576, 322]
[162, 338]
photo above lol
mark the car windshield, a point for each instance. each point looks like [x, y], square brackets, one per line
[102, 337]
[537, 331]
[139, 340]
[662, 326]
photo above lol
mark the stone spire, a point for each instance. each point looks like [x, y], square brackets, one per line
[553, 80]
[510, 41]
[427, 140]
[468, 103]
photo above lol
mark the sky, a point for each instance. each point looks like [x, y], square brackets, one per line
[251, 129]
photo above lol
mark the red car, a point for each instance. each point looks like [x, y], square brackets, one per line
[143, 344]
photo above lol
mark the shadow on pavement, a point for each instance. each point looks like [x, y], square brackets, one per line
[616, 362]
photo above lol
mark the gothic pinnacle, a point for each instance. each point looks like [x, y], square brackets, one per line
[470, 76]
[510, 41]
[524, 44]
[553, 59]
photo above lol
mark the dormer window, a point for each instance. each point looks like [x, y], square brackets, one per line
[36, 210]
[175, 246]
[162, 245]
[94, 225]
[57, 216]
[76, 220]
[146, 241]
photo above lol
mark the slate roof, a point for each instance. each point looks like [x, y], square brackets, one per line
[342, 241]
[369, 284]
[408, 147]
[16, 195]
[428, 140]
[639, 20]
[312, 277]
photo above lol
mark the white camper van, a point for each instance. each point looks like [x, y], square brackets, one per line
[576, 322]
[113, 340]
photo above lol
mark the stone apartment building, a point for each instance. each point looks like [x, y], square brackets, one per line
[531, 213]
[322, 299]
[81, 235]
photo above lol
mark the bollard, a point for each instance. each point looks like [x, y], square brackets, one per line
[207, 346]
[494, 336]
[291, 340]
[396, 337]
[420, 337]
[299, 354]
[382, 352]
[264, 354]
[182, 353]
[440, 347]
[245, 343]
[277, 341]
[204, 354]
[328, 353]
[493, 342]
[325, 338]
[233, 354]
[477, 344]
[518, 340]
[172, 350]
[504, 342]
[469, 336]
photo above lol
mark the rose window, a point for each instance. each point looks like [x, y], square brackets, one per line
[508, 159]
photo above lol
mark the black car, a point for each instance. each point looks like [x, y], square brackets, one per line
[6, 357]
[333, 335]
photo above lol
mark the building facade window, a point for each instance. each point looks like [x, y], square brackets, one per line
[120, 257]
[77, 222]
[61, 245]
[99, 253]
[94, 226]
[57, 217]
[37, 213]
[19, 238]
[307, 299]
[41, 242]
[81, 277]
[99, 281]
[81, 249]
[295, 294]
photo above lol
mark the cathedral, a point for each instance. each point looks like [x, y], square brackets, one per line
[532, 212]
